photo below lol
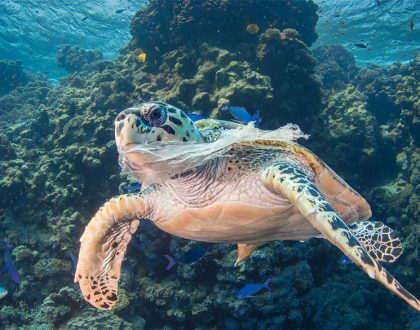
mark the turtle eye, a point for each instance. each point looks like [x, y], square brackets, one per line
[121, 116]
[156, 116]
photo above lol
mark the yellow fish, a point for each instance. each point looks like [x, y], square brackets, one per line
[252, 29]
[140, 55]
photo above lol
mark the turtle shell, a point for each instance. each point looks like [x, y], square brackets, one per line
[347, 202]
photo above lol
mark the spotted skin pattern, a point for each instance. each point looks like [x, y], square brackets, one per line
[379, 240]
[103, 245]
[288, 180]
[155, 121]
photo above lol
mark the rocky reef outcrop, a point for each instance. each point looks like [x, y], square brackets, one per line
[11, 76]
[207, 58]
[205, 80]
[58, 164]
[161, 27]
[73, 58]
[287, 61]
[336, 65]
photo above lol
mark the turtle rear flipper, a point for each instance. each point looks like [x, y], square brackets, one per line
[293, 183]
[379, 240]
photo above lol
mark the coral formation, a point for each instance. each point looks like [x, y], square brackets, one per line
[161, 27]
[215, 78]
[298, 94]
[58, 164]
[75, 58]
[11, 76]
[336, 65]
[348, 121]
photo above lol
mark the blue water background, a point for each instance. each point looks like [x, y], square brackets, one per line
[32, 30]
[384, 27]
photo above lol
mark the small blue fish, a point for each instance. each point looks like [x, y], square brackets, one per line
[73, 259]
[187, 258]
[9, 264]
[251, 289]
[53, 81]
[242, 115]
[344, 260]
[195, 117]
[3, 293]
[133, 188]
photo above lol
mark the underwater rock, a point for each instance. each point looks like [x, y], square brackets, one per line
[296, 90]
[51, 267]
[214, 79]
[20, 103]
[352, 312]
[11, 76]
[348, 122]
[6, 149]
[391, 95]
[75, 58]
[13, 317]
[166, 25]
[123, 300]
[57, 307]
[89, 319]
[399, 198]
[336, 65]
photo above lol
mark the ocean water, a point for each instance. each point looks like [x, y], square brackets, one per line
[138, 228]
[382, 25]
[50, 25]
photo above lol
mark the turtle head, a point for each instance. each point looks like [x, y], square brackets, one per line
[154, 121]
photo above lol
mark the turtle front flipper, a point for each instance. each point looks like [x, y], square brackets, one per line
[378, 239]
[103, 245]
[291, 182]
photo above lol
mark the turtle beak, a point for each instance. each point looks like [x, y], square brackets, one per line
[130, 128]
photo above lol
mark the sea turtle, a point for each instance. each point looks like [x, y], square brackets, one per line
[247, 188]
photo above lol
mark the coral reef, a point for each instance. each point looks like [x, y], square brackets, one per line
[58, 164]
[336, 66]
[161, 27]
[11, 76]
[298, 94]
[205, 80]
[210, 68]
[392, 97]
[348, 121]
[75, 58]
